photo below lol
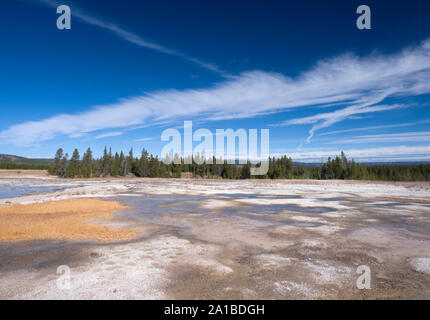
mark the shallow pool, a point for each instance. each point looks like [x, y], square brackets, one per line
[7, 191]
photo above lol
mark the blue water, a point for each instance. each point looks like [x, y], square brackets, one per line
[277, 208]
[154, 208]
[23, 190]
[256, 196]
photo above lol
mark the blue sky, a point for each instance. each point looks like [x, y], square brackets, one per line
[127, 70]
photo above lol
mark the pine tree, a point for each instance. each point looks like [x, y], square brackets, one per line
[143, 166]
[131, 167]
[63, 169]
[123, 165]
[74, 165]
[105, 163]
[57, 169]
[115, 167]
[245, 172]
[87, 164]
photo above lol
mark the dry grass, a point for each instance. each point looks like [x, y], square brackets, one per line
[64, 219]
[22, 172]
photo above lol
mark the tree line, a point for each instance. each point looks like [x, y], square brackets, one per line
[148, 165]
[24, 166]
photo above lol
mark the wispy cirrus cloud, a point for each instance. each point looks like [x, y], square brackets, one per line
[371, 80]
[327, 119]
[143, 139]
[360, 85]
[109, 134]
[399, 125]
[133, 37]
[423, 136]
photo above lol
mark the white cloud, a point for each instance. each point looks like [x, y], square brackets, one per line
[134, 38]
[398, 125]
[324, 120]
[109, 134]
[370, 80]
[143, 139]
[360, 84]
[391, 137]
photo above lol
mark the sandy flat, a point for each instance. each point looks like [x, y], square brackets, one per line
[63, 219]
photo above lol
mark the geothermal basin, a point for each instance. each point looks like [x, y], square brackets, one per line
[211, 239]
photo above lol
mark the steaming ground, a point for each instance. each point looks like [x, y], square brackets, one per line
[210, 239]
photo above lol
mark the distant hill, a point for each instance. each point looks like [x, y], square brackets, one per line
[21, 160]
[397, 163]
[306, 164]
[393, 163]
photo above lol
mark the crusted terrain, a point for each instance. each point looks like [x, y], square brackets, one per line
[210, 239]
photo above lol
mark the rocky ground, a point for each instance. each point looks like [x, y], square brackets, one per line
[210, 239]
